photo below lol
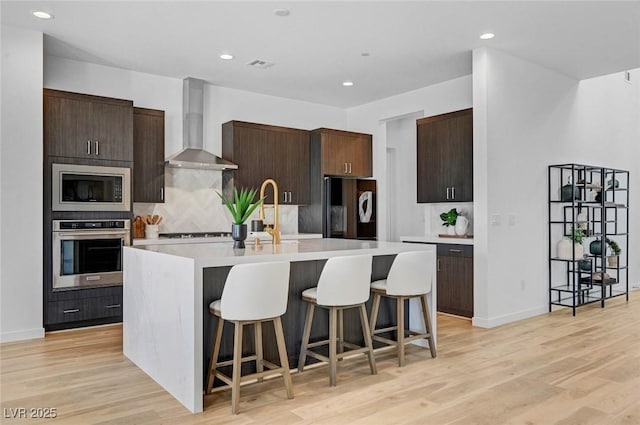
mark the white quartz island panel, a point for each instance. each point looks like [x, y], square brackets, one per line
[163, 298]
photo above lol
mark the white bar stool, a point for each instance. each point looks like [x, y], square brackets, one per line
[411, 276]
[343, 284]
[252, 294]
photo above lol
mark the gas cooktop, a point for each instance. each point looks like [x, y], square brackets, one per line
[195, 235]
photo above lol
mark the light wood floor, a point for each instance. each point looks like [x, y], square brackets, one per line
[552, 369]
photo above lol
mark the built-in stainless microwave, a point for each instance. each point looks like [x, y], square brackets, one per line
[90, 188]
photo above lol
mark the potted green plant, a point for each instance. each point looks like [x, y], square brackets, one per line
[612, 260]
[241, 206]
[449, 219]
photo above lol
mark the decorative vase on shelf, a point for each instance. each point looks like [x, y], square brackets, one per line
[585, 264]
[569, 192]
[565, 250]
[239, 234]
[596, 247]
[612, 261]
[461, 225]
[451, 230]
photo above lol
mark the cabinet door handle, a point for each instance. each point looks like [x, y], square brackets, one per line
[97, 148]
[345, 167]
[114, 306]
[349, 168]
[438, 267]
[448, 192]
[72, 310]
[453, 193]
[457, 251]
[162, 193]
[88, 147]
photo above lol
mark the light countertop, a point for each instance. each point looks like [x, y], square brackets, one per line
[436, 239]
[250, 238]
[223, 254]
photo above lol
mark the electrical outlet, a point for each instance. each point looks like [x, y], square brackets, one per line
[512, 219]
[495, 219]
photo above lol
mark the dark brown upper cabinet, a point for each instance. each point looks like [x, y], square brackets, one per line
[91, 127]
[344, 153]
[445, 157]
[268, 152]
[148, 155]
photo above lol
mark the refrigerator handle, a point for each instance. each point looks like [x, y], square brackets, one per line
[326, 223]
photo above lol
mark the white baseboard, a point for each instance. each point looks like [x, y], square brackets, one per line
[492, 322]
[21, 335]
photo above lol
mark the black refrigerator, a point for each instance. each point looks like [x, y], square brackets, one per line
[349, 208]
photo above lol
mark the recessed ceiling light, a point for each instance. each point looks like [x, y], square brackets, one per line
[487, 36]
[281, 12]
[347, 83]
[226, 56]
[365, 54]
[42, 14]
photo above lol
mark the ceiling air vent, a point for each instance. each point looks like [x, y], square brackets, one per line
[260, 64]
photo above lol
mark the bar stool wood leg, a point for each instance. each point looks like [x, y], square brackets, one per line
[367, 339]
[259, 354]
[237, 365]
[340, 332]
[305, 336]
[217, 338]
[427, 325]
[374, 311]
[332, 346]
[284, 360]
[400, 330]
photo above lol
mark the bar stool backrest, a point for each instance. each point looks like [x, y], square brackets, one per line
[255, 291]
[412, 273]
[345, 280]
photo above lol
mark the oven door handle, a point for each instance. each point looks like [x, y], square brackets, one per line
[92, 234]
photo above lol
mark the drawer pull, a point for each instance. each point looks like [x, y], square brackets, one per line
[97, 277]
[457, 251]
[114, 306]
[438, 265]
[72, 310]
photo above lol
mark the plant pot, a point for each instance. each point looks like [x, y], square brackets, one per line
[612, 261]
[461, 225]
[451, 230]
[239, 234]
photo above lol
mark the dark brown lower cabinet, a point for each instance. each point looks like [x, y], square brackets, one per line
[83, 309]
[455, 279]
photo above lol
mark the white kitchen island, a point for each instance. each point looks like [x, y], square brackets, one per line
[167, 289]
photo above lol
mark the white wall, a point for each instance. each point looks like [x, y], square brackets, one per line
[527, 117]
[21, 182]
[375, 117]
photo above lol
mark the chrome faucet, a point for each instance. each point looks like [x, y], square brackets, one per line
[275, 230]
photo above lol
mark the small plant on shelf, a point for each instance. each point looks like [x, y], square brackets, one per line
[576, 235]
[450, 217]
[614, 246]
[612, 260]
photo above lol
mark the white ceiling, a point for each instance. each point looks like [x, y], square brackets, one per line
[320, 44]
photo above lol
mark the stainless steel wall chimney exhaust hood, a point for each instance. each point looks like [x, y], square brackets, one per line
[193, 154]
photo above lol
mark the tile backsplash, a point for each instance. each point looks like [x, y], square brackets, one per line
[192, 205]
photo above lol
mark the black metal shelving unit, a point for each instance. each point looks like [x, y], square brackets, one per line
[595, 200]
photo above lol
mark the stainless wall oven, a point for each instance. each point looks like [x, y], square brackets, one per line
[90, 188]
[88, 253]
